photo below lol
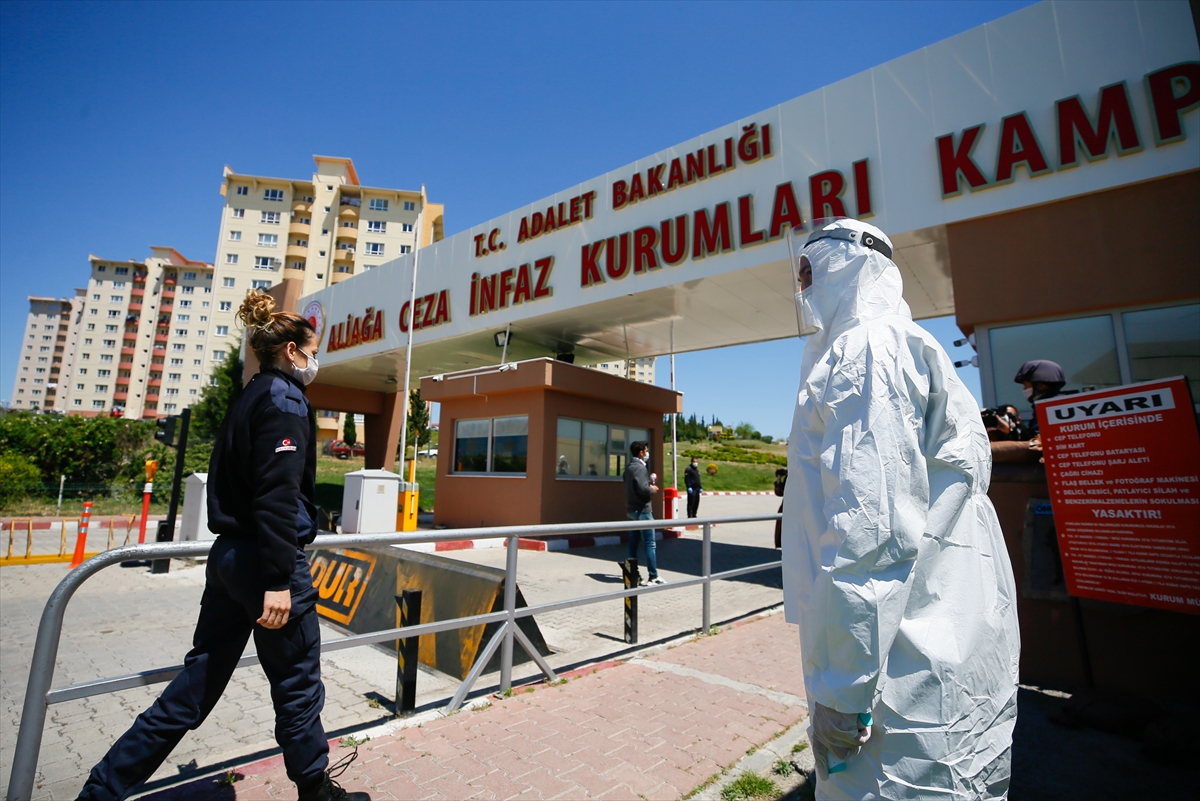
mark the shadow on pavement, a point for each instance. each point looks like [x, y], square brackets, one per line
[683, 556]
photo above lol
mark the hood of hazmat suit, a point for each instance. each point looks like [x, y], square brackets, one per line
[895, 567]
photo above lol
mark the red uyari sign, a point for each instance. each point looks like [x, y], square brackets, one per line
[1124, 472]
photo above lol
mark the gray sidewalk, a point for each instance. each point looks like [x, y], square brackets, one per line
[123, 621]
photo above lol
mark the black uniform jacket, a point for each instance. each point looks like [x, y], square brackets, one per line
[262, 475]
[691, 477]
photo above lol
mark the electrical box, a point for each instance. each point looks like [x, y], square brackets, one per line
[194, 525]
[369, 502]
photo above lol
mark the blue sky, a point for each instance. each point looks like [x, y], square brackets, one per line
[116, 120]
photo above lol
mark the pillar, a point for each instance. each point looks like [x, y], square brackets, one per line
[381, 436]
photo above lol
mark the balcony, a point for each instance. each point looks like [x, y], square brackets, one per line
[135, 305]
[347, 232]
[299, 229]
[127, 351]
[168, 291]
[349, 212]
[160, 339]
[302, 205]
[297, 251]
[348, 200]
[154, 382]
[340, 275]
[125, 365]
[120, 395]
[138, 291]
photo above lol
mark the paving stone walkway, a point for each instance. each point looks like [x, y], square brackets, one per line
[655, 726]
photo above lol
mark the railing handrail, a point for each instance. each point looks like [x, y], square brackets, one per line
[39, 694]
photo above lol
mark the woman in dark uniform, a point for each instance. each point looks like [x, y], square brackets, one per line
[261, 484]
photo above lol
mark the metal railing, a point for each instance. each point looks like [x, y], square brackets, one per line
[39, 694]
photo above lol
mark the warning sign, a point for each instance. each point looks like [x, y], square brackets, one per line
[1124, 472]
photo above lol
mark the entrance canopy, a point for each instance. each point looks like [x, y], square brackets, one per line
[685, 249]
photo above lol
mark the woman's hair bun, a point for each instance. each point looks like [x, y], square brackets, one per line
[256, 309]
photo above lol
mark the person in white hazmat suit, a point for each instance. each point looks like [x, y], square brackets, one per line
[895, 567]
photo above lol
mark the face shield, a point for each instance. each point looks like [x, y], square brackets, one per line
[803, 279]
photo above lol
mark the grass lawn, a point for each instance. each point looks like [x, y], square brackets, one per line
[730, 476]
[73, 507]
[331, 479]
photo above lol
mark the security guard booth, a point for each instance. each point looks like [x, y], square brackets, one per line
[541, 441]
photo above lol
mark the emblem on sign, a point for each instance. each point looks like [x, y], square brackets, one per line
[315, 314]
[341, 579]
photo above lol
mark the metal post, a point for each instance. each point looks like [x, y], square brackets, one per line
[412, 307]
[706, 571]
[510, 607]
[629, 570]
[407, 653]
[62, 480]
[29, 540]
[166, 529]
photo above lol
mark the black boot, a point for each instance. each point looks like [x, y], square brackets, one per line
[329, 790]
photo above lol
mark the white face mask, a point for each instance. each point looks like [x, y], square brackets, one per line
[1028, 393]
[305, 375]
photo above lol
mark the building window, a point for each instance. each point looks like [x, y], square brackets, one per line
[110, 329]
[406, 228]
[187, 290]
[185, 304]
[409, 205]
[268, 240]
[101, 268]
[235, 236]
[102, 387]
[77, 402]
[121, 270]
[189, 277]
[594, 450]
[243, 190]
[264, 263]
[177, 346]
[174, 377]
[116, 285]
[405, 249]
[115, 299]
[231, 258]
[175, 362]
[97, 404]
[270, 217]
[273, 194]
[218, 355]
[260, 284]
[181, 332]
[172, 390]
[110, 343]
[374, 248]
[1163, 343]
[499, 445]
[378, 204]
[225, 305]
[114, 313]
[238, 213]
[227, 282]
[222, 330]
[376, 227]
[183, 318]
[96, 296]
[103, 373]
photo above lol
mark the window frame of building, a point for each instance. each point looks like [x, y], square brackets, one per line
[242, 190]
[517, 450]
[273, 195]
[614, 454]
[268, 240]
[238, 213]
[270, 218]
[378, 204]
[376, 226]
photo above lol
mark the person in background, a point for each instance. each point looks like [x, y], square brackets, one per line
[639, 489]
[780, 485]
[1040, 379]
[691, 479]
[257, 582]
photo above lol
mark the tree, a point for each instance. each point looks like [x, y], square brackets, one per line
[217, 397]
[349, 431]
[418, 419]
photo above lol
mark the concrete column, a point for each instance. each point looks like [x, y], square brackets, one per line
[382, 433]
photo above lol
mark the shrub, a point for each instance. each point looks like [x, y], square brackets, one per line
[18, 476]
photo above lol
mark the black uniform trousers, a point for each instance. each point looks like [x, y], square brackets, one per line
[693, 502]
[290, 657]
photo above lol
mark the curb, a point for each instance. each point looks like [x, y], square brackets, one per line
[735, 492]
[530, 544]
[55, 523]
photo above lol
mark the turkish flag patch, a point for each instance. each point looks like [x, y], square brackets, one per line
[285, 444]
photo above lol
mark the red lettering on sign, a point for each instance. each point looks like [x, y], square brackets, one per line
[636, 190]
[487, 293]
[616, 262]
[506, 286]
[544, 267]
[474, 292]
[523, 230]
[430, 308]
[675, 248]
[443, 310]
[825, 189]
[956, 161]
[1168, 104]
[695, 167]
[785, 211]
[478, 245]
[524, 290]
[675, 175]
[747, 236]
[654, 183]
[620, 194]
[644, 257]
[536, 221]
[862, 189]
[712, 236]
[1114, 121]
[575, 203]
[1018, 145]
[551, 220]
[356, 334]
[589, 270]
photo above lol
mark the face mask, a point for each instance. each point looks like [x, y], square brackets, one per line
[305, 375]
[1028, 393]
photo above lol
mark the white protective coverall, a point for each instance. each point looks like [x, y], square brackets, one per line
[895, 567]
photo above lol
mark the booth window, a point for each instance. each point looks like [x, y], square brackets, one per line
[594, 450]
[499, 445]
[1163, 343]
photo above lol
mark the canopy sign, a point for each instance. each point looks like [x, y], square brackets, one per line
[1124, 472]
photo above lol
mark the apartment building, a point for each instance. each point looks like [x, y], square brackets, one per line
[634, 369]
[321, 230]
[47, 352]
[141, 339]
